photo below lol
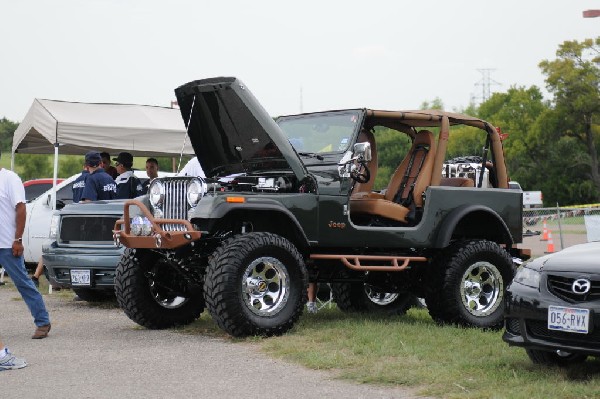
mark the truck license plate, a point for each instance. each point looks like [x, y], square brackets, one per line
[80, 277]
[574, 320]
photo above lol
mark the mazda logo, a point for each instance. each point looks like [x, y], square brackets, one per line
[581, 286]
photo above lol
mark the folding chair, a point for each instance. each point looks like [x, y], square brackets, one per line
[2, 276]
[324, 297]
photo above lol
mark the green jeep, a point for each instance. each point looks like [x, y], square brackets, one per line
[291, 200]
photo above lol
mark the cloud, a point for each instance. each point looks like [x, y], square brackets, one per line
[372, 51]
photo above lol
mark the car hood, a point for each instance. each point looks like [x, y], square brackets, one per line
[231, 132]
[578, 258]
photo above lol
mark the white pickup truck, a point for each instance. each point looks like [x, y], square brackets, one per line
[531, 199]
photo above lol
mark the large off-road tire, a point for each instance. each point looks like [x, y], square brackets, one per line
[358, 297]
[469, 284]
[90, 295]
[555, 358]
[148, 290]
[256, 285]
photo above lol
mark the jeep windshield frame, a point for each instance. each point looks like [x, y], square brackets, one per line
[321, 133]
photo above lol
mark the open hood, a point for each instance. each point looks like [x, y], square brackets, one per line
[231, 132]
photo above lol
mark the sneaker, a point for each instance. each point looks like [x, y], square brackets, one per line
[312, 307]
[36, 281]
[11, 362]
[41, 332]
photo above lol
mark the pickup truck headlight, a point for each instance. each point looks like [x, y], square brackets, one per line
[195, 191]
[157, 194]
[54, 226]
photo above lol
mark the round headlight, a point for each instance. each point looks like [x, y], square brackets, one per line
[136, 225]
[195, 191]
[156, 193]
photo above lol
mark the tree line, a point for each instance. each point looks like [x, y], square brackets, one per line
[552, 144]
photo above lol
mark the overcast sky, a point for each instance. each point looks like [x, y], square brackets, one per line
[295, 56]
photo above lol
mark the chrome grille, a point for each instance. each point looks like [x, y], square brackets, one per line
[175, 204]
[561, 287]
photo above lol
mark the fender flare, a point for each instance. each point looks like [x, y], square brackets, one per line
[224, 209]
[453, 218]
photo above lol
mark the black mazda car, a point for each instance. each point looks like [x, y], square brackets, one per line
[552, 307]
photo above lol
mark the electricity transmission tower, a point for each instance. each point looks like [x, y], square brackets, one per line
[485, 83]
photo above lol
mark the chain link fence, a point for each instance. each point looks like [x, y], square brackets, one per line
[547, 230]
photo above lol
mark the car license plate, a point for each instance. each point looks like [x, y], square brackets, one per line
[573, 320]
[80, 277]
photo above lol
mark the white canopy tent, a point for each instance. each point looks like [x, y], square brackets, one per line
[53, 126]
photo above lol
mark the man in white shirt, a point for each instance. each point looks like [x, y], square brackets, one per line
[192, 168]
[12, 224]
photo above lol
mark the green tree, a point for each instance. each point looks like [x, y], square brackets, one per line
[436, 103]
[7, 130]
[574, 80]
[34, 166]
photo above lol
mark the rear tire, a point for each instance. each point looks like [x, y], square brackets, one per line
[358, 297]
[149, 292]
[555, 358]
[469, 284]
[256, 284]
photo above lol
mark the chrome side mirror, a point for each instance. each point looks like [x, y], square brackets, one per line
[362, 151]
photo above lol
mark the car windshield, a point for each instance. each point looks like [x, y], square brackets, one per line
[320, 133]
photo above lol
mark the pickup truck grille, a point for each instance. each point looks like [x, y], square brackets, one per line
[89, 229]
[175, 202]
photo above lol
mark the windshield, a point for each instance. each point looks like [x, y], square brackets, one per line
[320, 133]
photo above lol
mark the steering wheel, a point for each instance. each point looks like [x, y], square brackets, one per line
[361, 175]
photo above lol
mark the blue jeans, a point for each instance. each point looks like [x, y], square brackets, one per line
[15, 266]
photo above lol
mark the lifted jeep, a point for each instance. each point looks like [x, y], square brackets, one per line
[292, 200]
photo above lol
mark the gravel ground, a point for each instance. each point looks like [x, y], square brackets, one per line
[94, 352]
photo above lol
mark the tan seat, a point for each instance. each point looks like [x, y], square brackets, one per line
[457, 182]
[415, 170]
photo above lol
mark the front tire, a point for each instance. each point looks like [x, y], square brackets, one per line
[150, 292]
[470, 283]
[256, 284]
[555, 358]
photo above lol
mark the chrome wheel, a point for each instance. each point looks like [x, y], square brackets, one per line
[482, 289]
[379, 298]
[265, 286]
[165, 297]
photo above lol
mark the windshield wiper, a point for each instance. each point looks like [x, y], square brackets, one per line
[311, 155]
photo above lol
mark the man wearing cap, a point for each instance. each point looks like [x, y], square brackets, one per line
[128, 186]
[98, 185]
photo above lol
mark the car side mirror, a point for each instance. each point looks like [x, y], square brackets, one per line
[362, 151]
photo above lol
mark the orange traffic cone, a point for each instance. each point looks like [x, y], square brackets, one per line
[544, 232]
[550, 246]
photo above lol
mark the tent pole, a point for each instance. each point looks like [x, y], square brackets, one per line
[12, 161]
[55, 176]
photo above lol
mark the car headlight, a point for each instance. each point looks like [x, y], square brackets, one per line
[54, 226]
[156, 194]
[528, 276]
[195, 191]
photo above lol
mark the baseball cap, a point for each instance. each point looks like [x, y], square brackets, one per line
[92, 158]
[124, 158]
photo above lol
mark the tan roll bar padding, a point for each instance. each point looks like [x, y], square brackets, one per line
[438, 162]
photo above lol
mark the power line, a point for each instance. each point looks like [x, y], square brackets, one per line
[485, 83]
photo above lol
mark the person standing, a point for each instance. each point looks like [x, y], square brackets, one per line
[108, 168]
[151, 172]
[192, 168]
[128, 186]
[79, 184]
[98, 185]
[8, 361]
[12, 223]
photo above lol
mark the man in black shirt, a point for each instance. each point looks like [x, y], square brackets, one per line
[128, 186]
[99, 185]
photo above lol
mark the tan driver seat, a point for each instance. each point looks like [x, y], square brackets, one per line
[407, 185]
